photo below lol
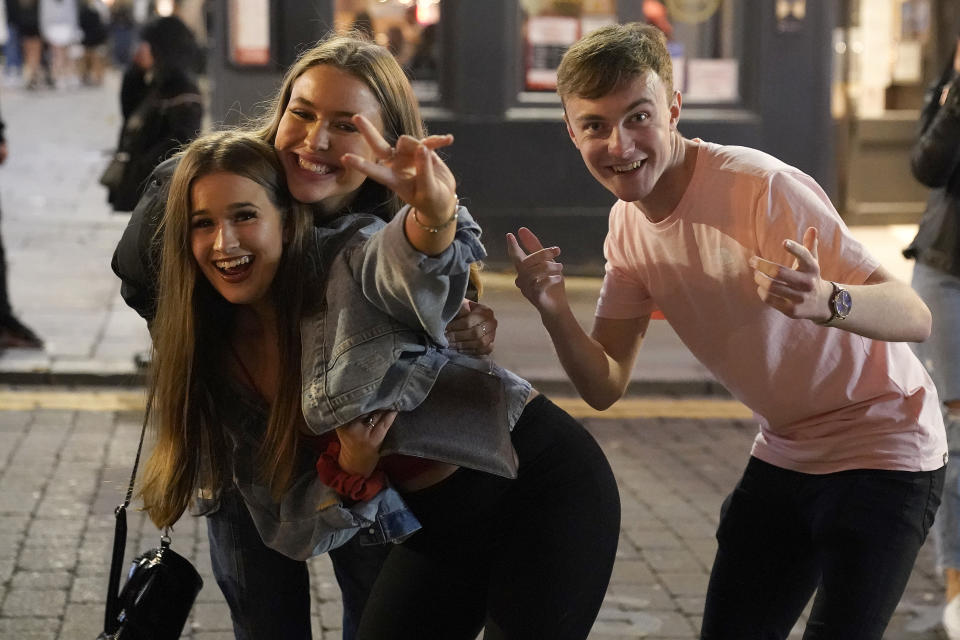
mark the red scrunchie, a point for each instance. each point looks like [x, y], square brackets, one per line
[350, 485]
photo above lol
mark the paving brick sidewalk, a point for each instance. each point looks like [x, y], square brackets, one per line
[62, 472]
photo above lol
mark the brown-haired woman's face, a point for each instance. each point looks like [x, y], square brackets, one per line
[315, 131]
[236, 236]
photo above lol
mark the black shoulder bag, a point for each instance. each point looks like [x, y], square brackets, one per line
[161, 584]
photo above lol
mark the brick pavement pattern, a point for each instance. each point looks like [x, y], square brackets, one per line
[62, 472]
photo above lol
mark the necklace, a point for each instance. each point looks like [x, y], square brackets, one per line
[246, 372]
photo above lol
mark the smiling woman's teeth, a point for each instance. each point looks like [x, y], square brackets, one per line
[233, 263]
[316, 168]
[627, 167]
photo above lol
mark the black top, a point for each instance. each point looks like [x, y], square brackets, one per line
[936, 163]
[167, 115]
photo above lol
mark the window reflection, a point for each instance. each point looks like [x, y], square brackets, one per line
[700, 33]
[408, 28]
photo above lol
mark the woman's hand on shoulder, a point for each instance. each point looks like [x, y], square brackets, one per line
[360, 442]
[412, 170]
[473, 330]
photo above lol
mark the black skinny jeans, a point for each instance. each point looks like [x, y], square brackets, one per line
[852, 536]
[523, 559]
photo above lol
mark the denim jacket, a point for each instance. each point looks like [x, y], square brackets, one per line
[383, 344]
[310, 518]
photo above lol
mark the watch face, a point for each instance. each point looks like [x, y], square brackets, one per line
[842, 303]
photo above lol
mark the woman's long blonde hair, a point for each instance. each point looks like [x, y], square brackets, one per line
[192, 329]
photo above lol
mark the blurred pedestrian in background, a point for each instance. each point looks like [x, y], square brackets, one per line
[161, 106]
[94, 19]
[60, 28]
[13, 48]
[13, 333]
[936, 277]
[122, 32]
[29, 27]
[423, 62]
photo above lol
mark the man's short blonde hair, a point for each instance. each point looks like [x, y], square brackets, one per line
[601, 61]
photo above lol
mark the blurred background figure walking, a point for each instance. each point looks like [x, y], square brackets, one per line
[161, 106]
[94, 18]
[60, 28]
[13, 333]
[29, 15]
[936, 277]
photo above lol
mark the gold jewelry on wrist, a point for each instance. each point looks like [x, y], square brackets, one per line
[440, 227]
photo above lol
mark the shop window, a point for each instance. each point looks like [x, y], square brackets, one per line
[884, 57]
[701, 36]
[407, 27]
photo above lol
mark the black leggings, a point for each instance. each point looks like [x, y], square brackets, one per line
[526, 558]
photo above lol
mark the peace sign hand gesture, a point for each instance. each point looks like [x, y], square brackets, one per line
[412, 170]
[798, 291]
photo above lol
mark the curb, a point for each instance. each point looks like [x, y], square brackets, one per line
[72, 379]
[556, 387]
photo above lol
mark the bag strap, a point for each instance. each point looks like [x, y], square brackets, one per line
[112, 610]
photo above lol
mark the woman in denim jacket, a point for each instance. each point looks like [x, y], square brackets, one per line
[495, 553]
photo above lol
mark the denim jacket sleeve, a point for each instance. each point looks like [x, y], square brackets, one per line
[411, 286]
[311, 518]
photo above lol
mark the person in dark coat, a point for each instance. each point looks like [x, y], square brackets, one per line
[13, 333]
[160, 102]
[935, 162]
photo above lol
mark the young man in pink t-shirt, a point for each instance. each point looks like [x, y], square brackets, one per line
[755, 271]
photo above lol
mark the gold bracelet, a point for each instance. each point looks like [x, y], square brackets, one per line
[440, 227]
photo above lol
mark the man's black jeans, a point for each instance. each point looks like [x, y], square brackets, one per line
[852, 536]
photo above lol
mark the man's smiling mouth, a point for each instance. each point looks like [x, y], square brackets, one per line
[623, 168]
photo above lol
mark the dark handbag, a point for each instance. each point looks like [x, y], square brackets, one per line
[462, 421]
[112, 176]
[161, 584]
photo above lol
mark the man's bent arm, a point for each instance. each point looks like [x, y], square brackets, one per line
[599, 365]
[883, 308]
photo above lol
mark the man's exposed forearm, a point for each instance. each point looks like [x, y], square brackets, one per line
[598, 378]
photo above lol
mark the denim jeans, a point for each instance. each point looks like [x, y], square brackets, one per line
[852, 536]
[940, 354]
[268, 593]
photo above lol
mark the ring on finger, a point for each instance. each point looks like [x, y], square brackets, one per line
[483, 328]
[370, 421]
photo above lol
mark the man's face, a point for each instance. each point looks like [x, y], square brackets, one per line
[625, 136]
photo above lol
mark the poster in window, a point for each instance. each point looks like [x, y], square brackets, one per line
[713, 80]
[250, 32]
[548, 38]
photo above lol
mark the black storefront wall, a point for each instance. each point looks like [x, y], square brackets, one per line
[515, 164]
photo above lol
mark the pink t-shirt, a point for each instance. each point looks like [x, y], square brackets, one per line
[827, 400]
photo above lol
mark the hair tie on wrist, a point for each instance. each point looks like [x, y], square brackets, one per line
[354, 486]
